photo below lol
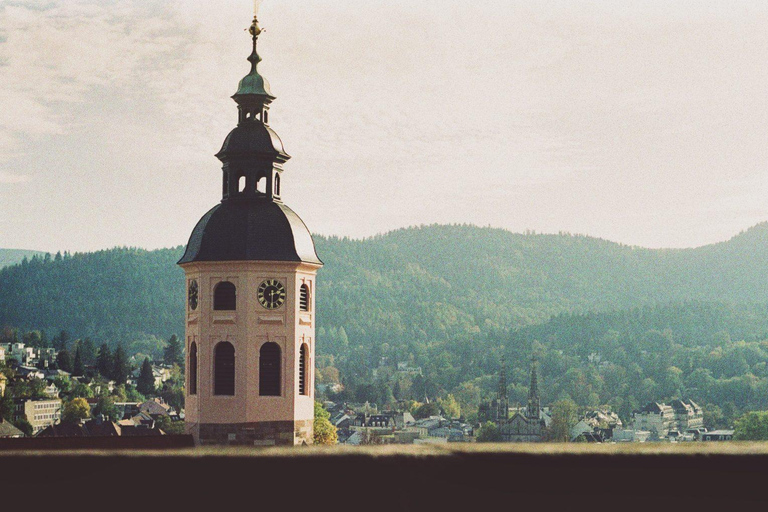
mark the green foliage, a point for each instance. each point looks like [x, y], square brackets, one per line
[75, 410]
[489, 433]
[78, 368]
[174, 352]
[104, 361]
[120, 366]
[169, 426]
[107, 408]
[146, 381]
[427, 410]
[565, 414]
[24, 425]
[324, 431]
[454, 299]
[752, 426]
[450, 406]
[64, 361]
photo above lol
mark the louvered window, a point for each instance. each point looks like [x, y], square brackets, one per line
[303, 356]
[304, 298]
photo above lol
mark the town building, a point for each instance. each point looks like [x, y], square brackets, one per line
[8, 430]
[3, 384]
[718, 435]
[251, 268]
[660, 419]
[39, 413]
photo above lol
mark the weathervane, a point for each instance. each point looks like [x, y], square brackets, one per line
[254, 29]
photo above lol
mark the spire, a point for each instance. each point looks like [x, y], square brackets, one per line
[534, 403]
[253, 86]
[503, 399]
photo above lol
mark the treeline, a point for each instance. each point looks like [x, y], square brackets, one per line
[452, 299]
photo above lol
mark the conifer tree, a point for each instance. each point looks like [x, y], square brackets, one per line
[120, 366]
[78, 370]
[146, 382]
[64, 361]
[173, 353]
[104, 361]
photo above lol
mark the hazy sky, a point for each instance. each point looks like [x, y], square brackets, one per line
[644, 124]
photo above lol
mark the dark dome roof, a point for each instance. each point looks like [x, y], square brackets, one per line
[250, 139]
[250, 230]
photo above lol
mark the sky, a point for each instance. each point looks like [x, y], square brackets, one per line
[645, 123]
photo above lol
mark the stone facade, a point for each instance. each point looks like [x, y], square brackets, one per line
[263, 433]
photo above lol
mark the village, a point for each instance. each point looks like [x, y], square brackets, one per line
[355, 423]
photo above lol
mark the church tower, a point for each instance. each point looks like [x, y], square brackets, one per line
[533, 411]
[251, 269]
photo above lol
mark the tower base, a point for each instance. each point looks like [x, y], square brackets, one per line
[262, 433]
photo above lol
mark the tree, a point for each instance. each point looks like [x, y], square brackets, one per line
[81, 390]
[104, 361]
[78, 369]
[88, 351]
[120, 366]
[427, 410]
[564, 417]
[173, 352]
[24, 425]
[450, 406]
[6, 407]
[324, 431]
[64, 361]
[489, 433]
[146, 382]
[752, 426]
[60, 340]
[170, 427]
[75, 410]
[107, 408]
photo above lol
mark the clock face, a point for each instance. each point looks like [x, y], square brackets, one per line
[192, 295]
[271, 294]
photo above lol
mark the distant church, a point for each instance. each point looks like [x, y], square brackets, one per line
[529, 423]
[251, 269]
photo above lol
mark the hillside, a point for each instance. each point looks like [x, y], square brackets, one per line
[453, 299]
[433, 280]
[13, 256]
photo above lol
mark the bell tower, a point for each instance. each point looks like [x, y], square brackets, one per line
[251, 269]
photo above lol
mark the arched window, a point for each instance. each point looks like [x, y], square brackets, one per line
[224, 369]
[269, 370]
[277, 184]
[193, 368]
[241, 184]
[261, 186]
[303, 374]
[304, 298]
[225, 297]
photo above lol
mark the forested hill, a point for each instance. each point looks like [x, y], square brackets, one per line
[14, 256]
[421, 283]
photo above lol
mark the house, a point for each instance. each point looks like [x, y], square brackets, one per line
[3, 384]
[406, 369]
[98, 428]
[717, 435]
[2, 354]
[688, 414]
[39, 413]
[656, 418]
[600, 422]
[155, 408]
[8, 430]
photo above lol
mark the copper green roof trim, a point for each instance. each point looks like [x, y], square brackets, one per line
[253, 84]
